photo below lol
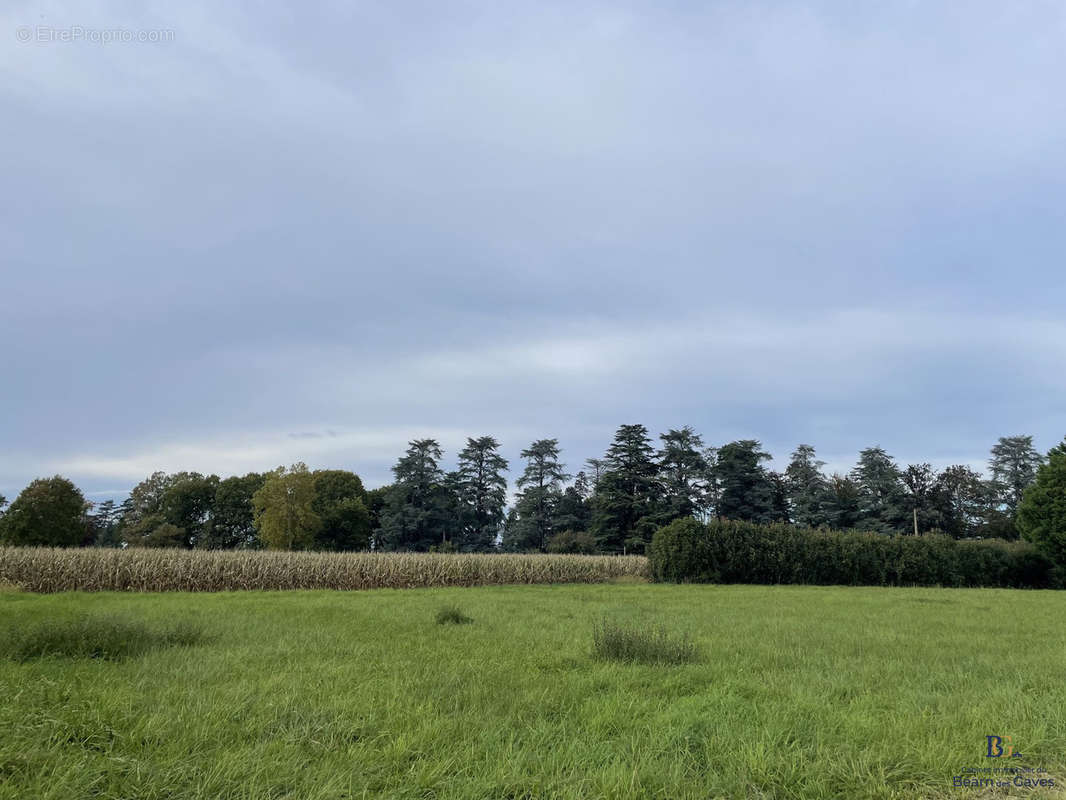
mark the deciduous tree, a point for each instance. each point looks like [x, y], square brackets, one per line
[921, 496]
[233, 523]
[50, 512]
[962, 493]
[189, 503]
[339, 503]
[283, 509]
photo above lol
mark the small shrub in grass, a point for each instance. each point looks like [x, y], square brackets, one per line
[109, 637]
[452, 615]
[614, 641]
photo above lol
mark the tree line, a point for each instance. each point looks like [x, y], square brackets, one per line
[612, 504]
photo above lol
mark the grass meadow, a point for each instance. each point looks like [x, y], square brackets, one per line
[785, 692]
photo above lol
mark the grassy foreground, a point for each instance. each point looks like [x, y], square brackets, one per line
[800, 692]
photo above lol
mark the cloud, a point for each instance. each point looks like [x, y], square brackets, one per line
[792, 221]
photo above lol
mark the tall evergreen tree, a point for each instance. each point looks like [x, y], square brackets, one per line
[1013, 465]
[626, 505]
[780, 511]
[747, 491]
[415, 515]
[448, 508]
[1042, 511]
[574, 512]
[103, 521]
[482, 494]
[536, 504]
[682, 471]
[881, 503]
[712, 484]
[595, 469]
[807, 488]
[843, 503]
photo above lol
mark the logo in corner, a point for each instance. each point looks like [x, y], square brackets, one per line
[997, 749]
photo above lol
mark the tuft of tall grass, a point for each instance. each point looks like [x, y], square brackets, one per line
[104, 636]
[615, 641]
[44, 569]
[452, 615]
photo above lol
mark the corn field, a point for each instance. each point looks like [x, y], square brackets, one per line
[43, 569]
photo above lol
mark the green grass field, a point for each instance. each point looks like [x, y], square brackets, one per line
[800, 692]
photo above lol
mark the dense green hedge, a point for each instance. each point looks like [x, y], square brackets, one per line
[742, 552]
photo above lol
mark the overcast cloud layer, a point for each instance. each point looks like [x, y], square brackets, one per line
[312, 232]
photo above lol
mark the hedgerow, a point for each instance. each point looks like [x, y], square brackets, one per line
[688, 551]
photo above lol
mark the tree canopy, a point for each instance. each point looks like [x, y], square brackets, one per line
[50, 512]
[1042, 510]
[283, 508]
[618, 500]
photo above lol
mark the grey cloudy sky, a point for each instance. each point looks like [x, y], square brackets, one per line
[314, 231]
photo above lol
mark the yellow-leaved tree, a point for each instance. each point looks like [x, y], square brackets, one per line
[283, 513]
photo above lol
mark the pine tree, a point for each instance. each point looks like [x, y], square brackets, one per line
[843, 506]
[1013, 465]
[103, 522]
[682, 470]
[807, 488]
[881, 502]
[626, 505]
[482, 494]
[1042, 511]
[748, 492]
[712, 484]
[536, 504]
[573, 512]
[415, 515]
[596, 468]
